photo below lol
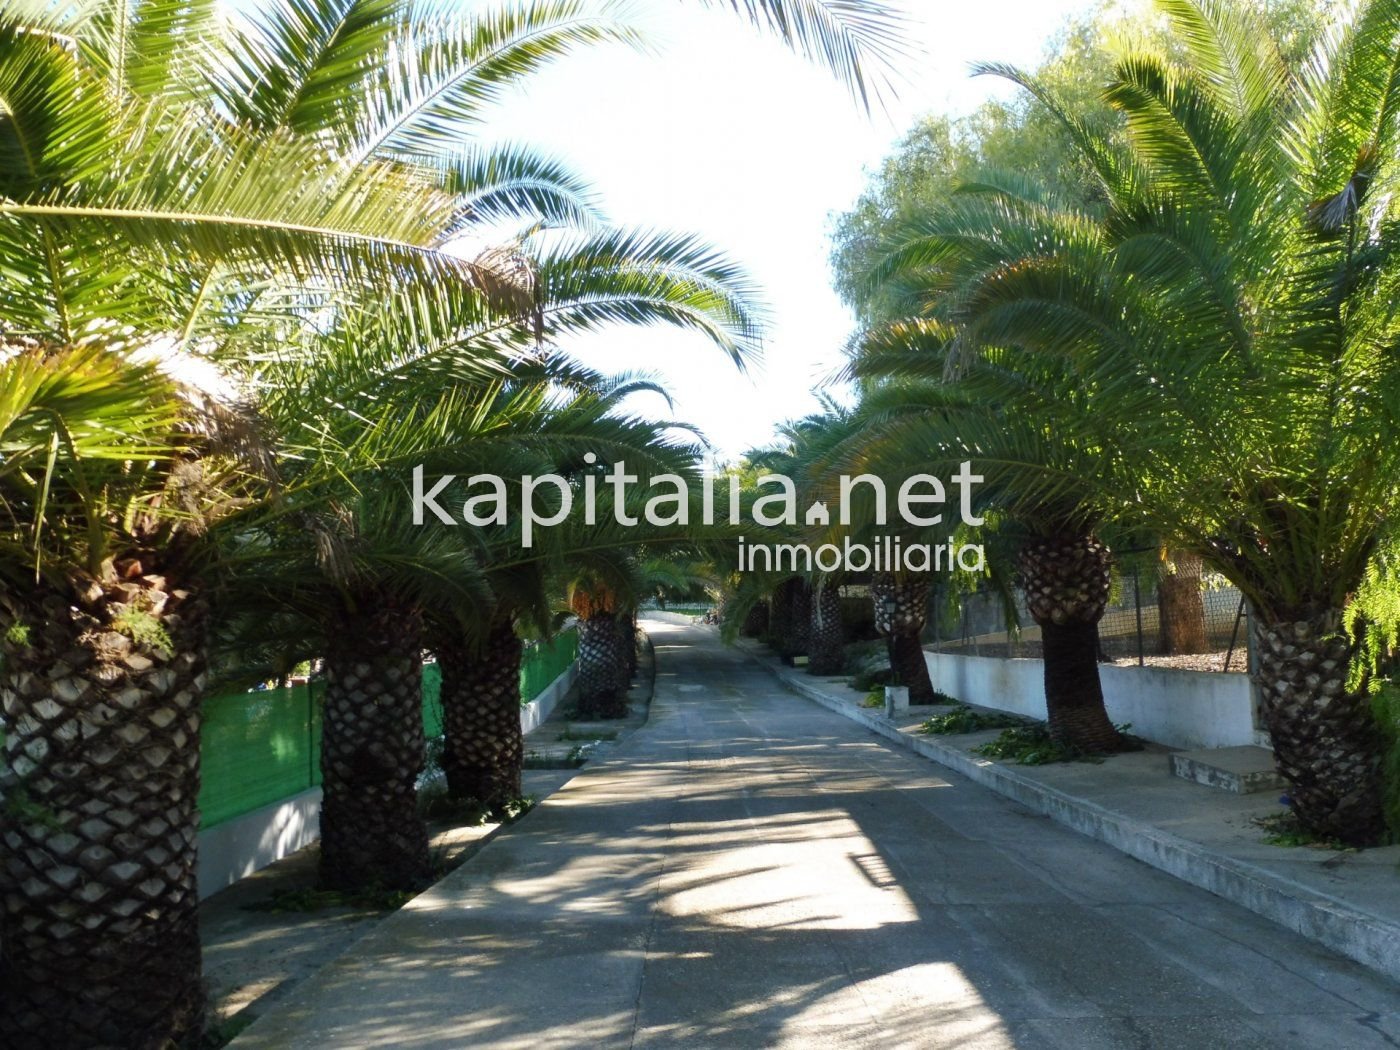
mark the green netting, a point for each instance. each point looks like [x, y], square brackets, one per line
[544, 662]
[257, 748]
[432, 700]
[261, 747]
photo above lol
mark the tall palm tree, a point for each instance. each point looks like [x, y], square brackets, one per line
[112, 469]
[900, 603]
[1230, 318]
[826, 637]
[483, 747]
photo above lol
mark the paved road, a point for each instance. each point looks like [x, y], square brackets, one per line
[751, 870]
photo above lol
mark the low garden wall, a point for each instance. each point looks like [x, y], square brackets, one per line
[1179, 709]
[261, 760]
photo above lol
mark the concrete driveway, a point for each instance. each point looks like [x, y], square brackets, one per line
[751, 870]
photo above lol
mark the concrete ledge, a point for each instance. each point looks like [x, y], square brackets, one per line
[1244, 770]
[1369, 939]
[540, 708]
[236, 848]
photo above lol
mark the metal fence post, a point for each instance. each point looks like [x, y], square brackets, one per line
[310, 736]
[1234, 634]
[1137, 611]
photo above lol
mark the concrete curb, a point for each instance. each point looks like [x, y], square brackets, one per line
[1368, 939]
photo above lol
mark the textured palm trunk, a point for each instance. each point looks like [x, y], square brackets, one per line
[599, 656]
[372, 750]
[627, 646]
[826, 649]
[484, 748]
[1066, 579]
[1181, 612]
[793, 615]
[101, 690]
[1326, 741]
[801, 621]
[755, 623]
[780, 618]
[901, 610]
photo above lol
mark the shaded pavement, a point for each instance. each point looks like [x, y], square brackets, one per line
[752, 870]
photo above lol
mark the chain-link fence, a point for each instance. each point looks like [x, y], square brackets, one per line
[1163, 611]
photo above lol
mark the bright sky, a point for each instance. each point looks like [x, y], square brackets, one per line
[726, 134]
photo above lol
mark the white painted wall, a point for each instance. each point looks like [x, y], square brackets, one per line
[540, 708]
[1180, 709]
[236, 848]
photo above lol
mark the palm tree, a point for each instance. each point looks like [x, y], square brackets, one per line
[602, 656]
[1228, 320]
[900, 601]
[111, 470]
[484, 748]
[826, 637]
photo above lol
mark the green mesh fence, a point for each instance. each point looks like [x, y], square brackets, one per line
[261, 747]
[544, 662]
[432, 700]
[257, 748]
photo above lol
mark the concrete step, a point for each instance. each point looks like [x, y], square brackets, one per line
[1243, 770]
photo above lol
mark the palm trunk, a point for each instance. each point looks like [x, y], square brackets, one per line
[1181, 613]
[755, 623]
[901, 610]
[780, 619]
[792, 617]
[827, 637]
[598, 657]
[1066, 579]
[1326, 741]
[372, 750]
[801, 637]
[484, 747]
[101, 690]
[627, 648]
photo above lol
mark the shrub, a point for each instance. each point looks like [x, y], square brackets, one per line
[1031, 745]
[963, 719]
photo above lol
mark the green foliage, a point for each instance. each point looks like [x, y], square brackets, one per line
[872, 676]
[1373, 621]
[1285, 829]
[1031, 745]
[19, 808]
[963, 719]
[144, 629]
[1385, 703]
[1373, 617]
[17, 634]
[874, 698]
